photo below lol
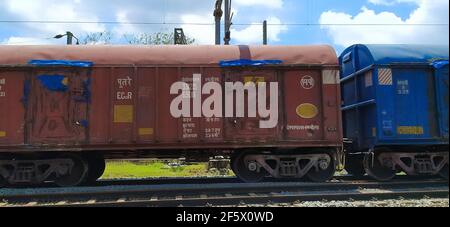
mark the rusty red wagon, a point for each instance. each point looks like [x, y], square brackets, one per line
[64, 109]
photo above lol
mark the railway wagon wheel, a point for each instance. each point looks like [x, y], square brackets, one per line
[3, 182]
[444, 172]
[76, 175]
[240, 168]
[377, 170]
[354, 165]
[96, 166]
[324, 171]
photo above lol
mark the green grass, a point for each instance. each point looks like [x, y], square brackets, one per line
[126, 169]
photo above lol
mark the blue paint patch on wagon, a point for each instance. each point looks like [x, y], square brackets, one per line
[84, 123]
[395, 95]
[82, 64]
[26, 92]
[86, 95]
[247, 62]
[54, 82]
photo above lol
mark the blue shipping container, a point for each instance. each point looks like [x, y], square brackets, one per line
[395, 95]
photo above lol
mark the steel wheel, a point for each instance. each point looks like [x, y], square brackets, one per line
[322, 175]
[76, 175]
[96, 165]
[3, 182]
[444, 172]
[239, 167]
[377, 170]
[354, 166]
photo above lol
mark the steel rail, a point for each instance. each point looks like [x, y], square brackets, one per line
[230, 179]
[219, 194]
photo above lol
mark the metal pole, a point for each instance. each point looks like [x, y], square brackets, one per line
[265, 33]
[69, 38]
[217, 31]
[218, 13]
[227, 22]
[175, 37]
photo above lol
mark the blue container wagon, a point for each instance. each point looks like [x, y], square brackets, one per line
[395, 109]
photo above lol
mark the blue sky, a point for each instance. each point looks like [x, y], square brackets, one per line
[281, 14]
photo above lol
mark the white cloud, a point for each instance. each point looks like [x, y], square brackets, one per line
[133, 11]
[48, 10]
[392, 2]
[203, 34]
[382, 2]
[266, 3]
[428, 12]
[253, 34]
[125, 27]
[26, 41]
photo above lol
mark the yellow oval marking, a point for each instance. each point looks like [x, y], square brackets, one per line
[307, 111]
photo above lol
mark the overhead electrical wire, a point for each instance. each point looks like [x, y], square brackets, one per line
[212, 24]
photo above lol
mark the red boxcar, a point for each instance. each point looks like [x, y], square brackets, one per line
[59, 118]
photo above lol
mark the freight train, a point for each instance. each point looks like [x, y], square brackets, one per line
[274, 110]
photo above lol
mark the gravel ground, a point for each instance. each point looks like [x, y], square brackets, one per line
[425, 202]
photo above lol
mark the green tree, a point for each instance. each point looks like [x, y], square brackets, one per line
[159, 38]
[96, 38]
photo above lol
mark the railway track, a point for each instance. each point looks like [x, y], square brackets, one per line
[222, 193]
[202, 180]
[227, 179]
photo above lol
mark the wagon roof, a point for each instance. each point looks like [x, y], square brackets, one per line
[170, 55]
[401, 53]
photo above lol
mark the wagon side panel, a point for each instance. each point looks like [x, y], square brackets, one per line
[12, 112]
[331, 105]
[100, 116]
[303, 105]
[167, 126]
[146, 105]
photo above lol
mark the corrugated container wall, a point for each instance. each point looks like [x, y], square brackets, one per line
[395, 95]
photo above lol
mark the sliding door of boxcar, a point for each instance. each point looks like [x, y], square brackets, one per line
[303, 95]
[57, 106]
[415, 103]
[248, 129]
[442, 85]
[11, 107]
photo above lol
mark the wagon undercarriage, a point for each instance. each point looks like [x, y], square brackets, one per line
[317, 167]
[384, 164]
[72, 169]
[64, 170]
